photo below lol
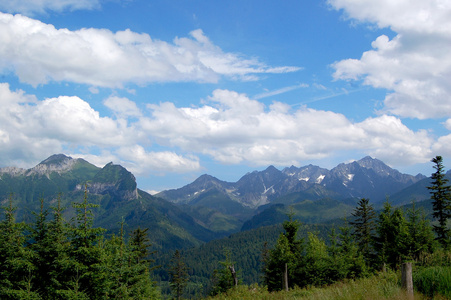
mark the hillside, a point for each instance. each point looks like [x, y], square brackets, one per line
[208, 208]
[112, 187]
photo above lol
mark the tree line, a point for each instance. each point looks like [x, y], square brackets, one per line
[368, 243]
[56, 259]
[53, 258]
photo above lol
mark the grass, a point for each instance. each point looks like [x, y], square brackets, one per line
[380, 286]
[433, 281]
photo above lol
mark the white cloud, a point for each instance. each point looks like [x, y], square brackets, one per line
[122, 107]
[140, 161]
[39, 53]
[235, 129]
[231, 128]
[31, 7]
[415, 65]
[32, 130]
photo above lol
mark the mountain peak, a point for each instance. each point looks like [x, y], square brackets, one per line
[56, 159]
[55, 163]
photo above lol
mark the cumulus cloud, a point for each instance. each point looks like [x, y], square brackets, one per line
[31, 7]
[164, 161]
[39, 53]
[230, 127]
[233, 129]
[122, 107]
[32, 130]
[415, 65]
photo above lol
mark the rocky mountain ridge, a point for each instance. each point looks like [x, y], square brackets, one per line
[368, 177]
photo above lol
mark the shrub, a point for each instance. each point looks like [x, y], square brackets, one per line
[433, 281]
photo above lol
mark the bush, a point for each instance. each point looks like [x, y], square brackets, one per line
[433, 281]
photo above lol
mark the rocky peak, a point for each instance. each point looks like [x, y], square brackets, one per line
[55, 163]
[116, 181]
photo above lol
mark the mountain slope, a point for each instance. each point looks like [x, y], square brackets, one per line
[112, 187]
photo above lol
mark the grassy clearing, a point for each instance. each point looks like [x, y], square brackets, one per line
[380, 286]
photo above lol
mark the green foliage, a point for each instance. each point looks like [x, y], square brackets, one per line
[392, 239]
[179, 275]
[16, 267]
[378, 286]
[433, 281]
[364, 226]
[286, 252]
[441, 201]
[225, 277]
[51, 259]
[421, 237]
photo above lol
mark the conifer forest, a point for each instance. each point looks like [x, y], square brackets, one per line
[55, 258]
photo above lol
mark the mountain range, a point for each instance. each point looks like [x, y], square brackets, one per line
[207, 208]
[368, 177]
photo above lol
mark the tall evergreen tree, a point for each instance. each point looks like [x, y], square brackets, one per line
[364, 226]
[353, 263]
[225, 277]
[392, 240]
[441, 201]
[287, 251]
[421, 236]
[86, 251]
[16, 264]
[140, 243]
[60, 263]
[178, 275]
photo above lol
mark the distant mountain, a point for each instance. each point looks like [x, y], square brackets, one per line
[368, 177]
[112, 187]
[208, 208]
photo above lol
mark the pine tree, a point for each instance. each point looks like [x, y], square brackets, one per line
[392, 240]
[421, 236]
[317, 266]
[140, 243]
[61, 264]
[89, 274]
[287, 251]
[353, 265]
[225, 277]
[441, 201]
[16, 263]
[364, 226]
[40, 248]
[178, 275]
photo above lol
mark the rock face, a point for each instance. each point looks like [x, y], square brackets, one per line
[113, 180]
[368, 177]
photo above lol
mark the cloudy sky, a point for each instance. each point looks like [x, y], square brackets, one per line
[175, 89]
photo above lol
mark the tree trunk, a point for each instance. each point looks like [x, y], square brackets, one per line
[235, 279]
[406, 280]
[285, 278]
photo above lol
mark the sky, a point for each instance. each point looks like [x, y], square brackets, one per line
[175, 89]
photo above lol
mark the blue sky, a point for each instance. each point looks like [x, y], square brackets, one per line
[175, 89]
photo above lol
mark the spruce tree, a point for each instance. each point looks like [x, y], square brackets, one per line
[178, 275]
[364, 226]
[89, 275]
[225, 277]
[421, 236]
[441, 201]
[287, 251]
[17, 271]
[392, 240]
